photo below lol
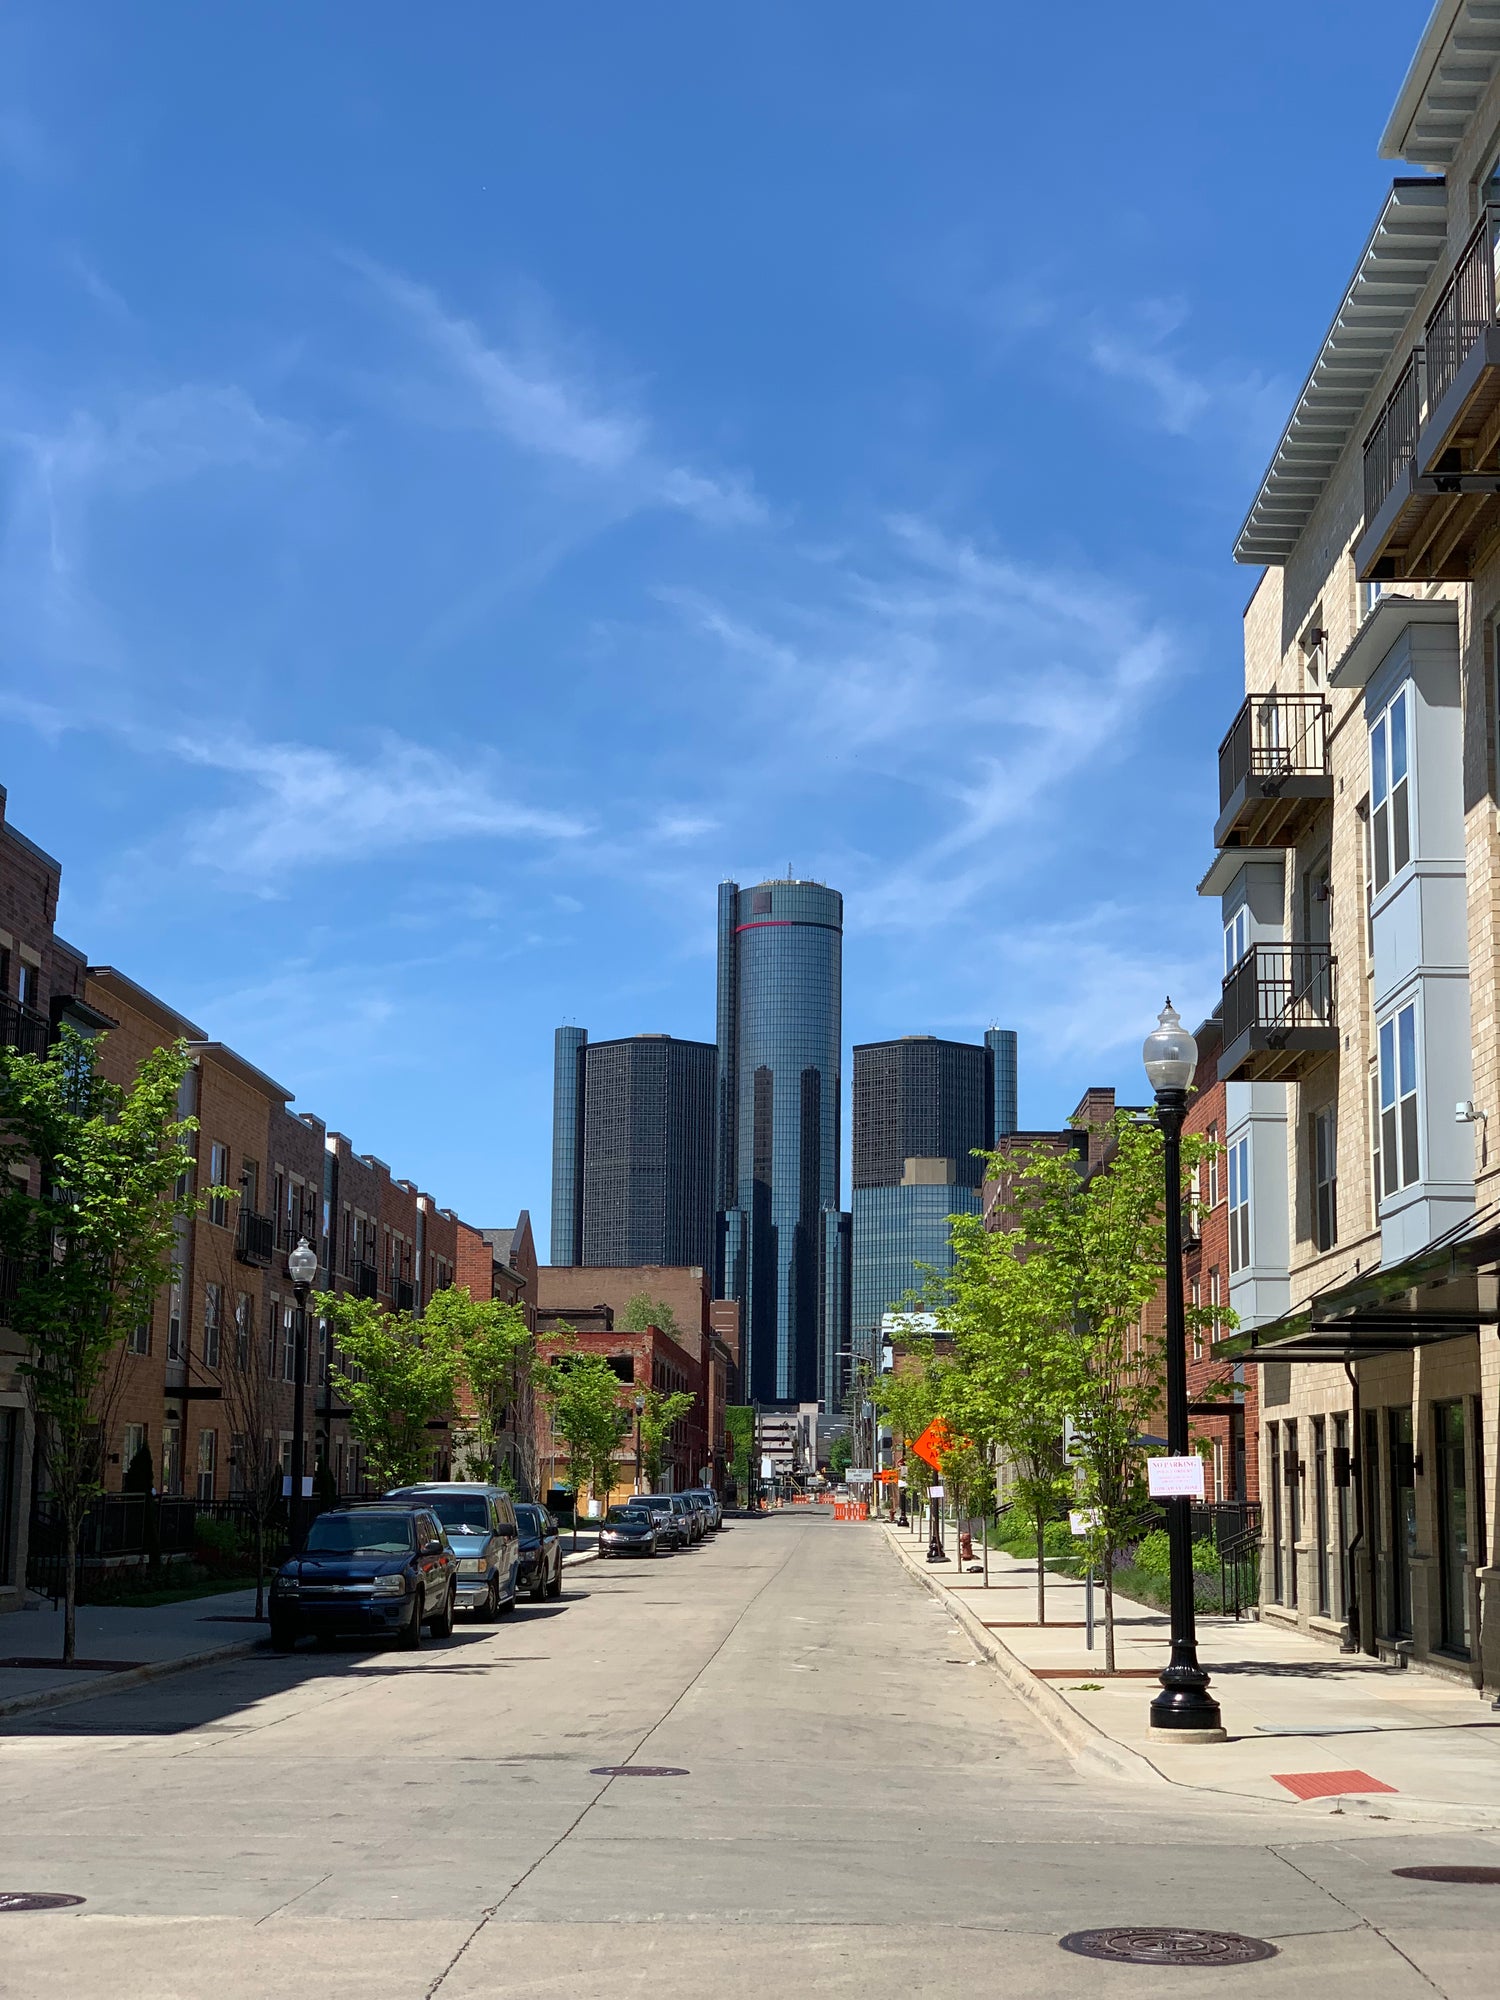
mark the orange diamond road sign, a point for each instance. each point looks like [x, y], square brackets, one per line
[933, 1442]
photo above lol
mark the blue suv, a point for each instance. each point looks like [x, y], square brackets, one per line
[382, 1571]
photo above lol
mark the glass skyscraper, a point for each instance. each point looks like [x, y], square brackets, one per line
[924, 1109]
[779, 1047]
[632, 1151]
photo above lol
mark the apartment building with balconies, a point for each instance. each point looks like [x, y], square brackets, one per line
[1358, 876]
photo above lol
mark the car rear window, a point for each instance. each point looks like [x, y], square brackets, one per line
[360, 1534]
[469, 1513]
[618, 1517]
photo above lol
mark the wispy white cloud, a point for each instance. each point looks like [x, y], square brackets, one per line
[545, 404]
[104, 295]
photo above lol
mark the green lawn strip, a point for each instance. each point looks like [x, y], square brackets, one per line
[143, 1600]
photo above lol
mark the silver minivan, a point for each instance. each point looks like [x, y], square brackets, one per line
[480, 1522]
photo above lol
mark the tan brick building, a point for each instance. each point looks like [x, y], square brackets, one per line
[1357, 873]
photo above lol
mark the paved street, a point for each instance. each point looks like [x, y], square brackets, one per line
[865, 1809]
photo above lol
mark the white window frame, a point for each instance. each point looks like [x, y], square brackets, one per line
[1323, 1178]
[1398, 1038]
[1392, 819]
[213, 1322]
[1236, 938]
[1239, 1204]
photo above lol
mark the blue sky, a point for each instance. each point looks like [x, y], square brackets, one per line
[474, 476]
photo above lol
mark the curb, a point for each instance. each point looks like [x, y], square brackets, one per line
[152, 1670]
[1087, 1744]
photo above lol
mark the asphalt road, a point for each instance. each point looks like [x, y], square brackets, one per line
[863, 1810]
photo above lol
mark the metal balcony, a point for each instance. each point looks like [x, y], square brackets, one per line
[22, 1028]
[1280, 1013]
[1432, 461]
[366, 1281]
[403, 1295]
[255, 1238]
[1273, 770]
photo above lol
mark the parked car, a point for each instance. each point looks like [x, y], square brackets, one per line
[683, 1506]
[673, 1530]
[481, 1525]
[713, 1506]
[628, 1531]
[383, 1570]
[541, 1551]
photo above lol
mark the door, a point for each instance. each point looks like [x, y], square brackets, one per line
[1403, 1519]
[1453, 1525]
[1278, 1564]
[1291, 1470]
[1320, 1510]
[1341, 1512]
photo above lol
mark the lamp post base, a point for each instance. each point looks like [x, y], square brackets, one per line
[1158, 1734]
[1185, 1709]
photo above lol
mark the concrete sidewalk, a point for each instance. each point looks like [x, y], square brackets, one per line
[1387, 1743]
[128, 1645]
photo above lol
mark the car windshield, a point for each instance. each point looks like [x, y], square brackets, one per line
[360, 1534]
[625, 1517]
[466, 1513]
[644, 1506]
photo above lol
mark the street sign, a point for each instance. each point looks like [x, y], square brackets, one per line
[933, 1442]
[286, 1485]
[1175, 1478]
[1082, 1520]
[767, 1469]
[934, 1492]
[858, 1475]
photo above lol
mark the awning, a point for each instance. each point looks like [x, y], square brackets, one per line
[1449, 1290]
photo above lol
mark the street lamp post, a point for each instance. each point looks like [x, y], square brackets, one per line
[301, 1268]
[1184, 1709]
[640, 1411]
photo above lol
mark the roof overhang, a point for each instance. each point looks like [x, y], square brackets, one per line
[1389, 279]
[235, 1063]
[1447, 1292]
[1382, 628]
[1455, 63]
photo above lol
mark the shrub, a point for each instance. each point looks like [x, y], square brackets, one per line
[1154, 1555]
[216, 1544]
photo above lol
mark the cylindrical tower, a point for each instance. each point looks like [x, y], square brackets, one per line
[568, 1046]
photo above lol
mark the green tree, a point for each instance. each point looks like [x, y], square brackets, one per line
[663, 1409]
[493, 1344]
[588, 1414]
[840, 1455]
[92, 1181]
[643, 1311]
[907, 1399]
[739, 1435]
[398, 1375]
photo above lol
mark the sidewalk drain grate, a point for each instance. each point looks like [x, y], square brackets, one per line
[1138, 1944]
[13, 1901]
[638, 1771]
[1453, 1874]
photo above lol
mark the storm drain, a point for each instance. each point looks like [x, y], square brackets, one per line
[1139, 1944]
[637, 1771]
[1456, 1873]
[14, 1901]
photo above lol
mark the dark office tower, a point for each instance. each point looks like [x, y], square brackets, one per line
[568, 1046]
[779, 1014]
[923, 1111]
[632, 1151]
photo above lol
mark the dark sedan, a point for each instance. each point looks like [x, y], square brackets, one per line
[673, 1530]
[383, 1571]
[541, 1552]
[627, 1531]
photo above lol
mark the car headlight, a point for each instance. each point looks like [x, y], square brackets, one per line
[388, 1586]
[286, 1586]
[471, 1565]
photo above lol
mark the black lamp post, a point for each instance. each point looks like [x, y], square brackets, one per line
[1184, 1709]
[301, 1268]
[640, 1411]
[936, 1553]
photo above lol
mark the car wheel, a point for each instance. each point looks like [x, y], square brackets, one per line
[441, 1625]
[491, 1606]
[283, 1635]
[409, 1638]
[510, 1603]
[539, 1589]
[554, 1589]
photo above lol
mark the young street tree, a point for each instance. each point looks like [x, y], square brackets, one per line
[398, 1375]
[493, 1345]
[662, 1410]
[92, 1177]
[643, 1311]
[588, 1414]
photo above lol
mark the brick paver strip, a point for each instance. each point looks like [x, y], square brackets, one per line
[1328, 1784]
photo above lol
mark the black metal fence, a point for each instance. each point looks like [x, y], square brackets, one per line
[1274, 737]
[1279, 987]
[22, 1028]
[134, 1531]
[1465, 307]
[1392, 443]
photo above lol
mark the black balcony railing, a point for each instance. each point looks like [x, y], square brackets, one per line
[291, 1230]
[403, 1295]
[1274, 737]
[255, 1238]
[1392, 444]
[366, 1281]
[22, 1028]
[1465, 307]
[1277, 988]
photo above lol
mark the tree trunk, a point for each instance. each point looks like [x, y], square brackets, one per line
[1109, 1607]
[1041, 1570]
[70, 1583]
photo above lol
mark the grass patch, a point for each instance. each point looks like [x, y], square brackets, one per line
[147, 1597]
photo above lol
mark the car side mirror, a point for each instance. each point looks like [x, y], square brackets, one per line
[432, 1548]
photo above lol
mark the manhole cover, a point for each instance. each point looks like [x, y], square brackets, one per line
[1138, 1944]
[15, 1900]
[637, 1771]
[1454, 1874]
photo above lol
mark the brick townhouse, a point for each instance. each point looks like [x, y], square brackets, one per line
[1358, 874]
[643, 1359]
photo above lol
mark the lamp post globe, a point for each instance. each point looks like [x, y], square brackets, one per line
[302, 1269]
[1184, 1709]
